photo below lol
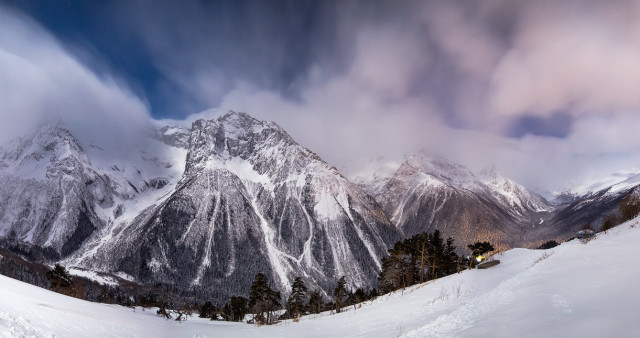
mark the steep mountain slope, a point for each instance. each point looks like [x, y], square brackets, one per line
[48, 190]
[206, 208]
[428, 193]
[54, 197]
[590, 209]
[511, 194]
[250, 200]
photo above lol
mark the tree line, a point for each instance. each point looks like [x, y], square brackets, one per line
[418, 259]
[414, 260]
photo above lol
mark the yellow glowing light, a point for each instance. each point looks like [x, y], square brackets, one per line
[480, 258]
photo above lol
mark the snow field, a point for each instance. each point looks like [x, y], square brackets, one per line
[573, 290]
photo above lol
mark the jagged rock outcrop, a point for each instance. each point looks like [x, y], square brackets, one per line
[249, 200]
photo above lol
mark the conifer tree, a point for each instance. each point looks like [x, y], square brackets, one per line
[422, 257]
[258, 297]
[207, 310]
[357, 297]
[295, 303]
[435, 254]
[59, 277]
[451, 258]
[339, 293]
[236, 309]
[316, 303]
[393, 269]
[272, 304]
[263, 300]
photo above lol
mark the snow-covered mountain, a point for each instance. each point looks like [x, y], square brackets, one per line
[206, 208]
[428, 193]
[512, 194]
[54, 197]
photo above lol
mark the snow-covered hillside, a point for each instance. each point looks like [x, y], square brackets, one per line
[573, 290]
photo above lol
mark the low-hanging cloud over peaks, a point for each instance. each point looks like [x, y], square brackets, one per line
[544, 90]
[42, 82]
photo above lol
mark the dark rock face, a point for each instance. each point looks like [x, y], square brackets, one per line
[252, 200]
[249, 200]
[589, 209]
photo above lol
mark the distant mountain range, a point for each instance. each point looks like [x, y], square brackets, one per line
[205, 208]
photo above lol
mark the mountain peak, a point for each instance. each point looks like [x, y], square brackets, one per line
[443, 170]
[48, 141]
[231, 116]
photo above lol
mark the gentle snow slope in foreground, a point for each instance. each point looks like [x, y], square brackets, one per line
[585, 290]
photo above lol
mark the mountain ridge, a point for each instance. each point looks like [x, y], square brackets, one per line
[209, 206]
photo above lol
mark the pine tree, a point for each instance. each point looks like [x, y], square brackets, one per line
[272, 302]
[394, 269]
[357, 297]
[422, 257]
[207, 310]
[422, 246]
[295, 303]
[258, 297]
[435, 254]
[263, 300]
[236, 309]
[316, 303]
[339, 293]
[451, 258]
[59, 277]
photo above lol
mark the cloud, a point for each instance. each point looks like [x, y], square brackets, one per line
[543, 90]
[42, 82]
[566, 58]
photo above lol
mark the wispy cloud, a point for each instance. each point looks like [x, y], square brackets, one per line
[544, 90]
[42, 82]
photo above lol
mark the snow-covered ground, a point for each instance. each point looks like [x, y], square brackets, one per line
[573, 290]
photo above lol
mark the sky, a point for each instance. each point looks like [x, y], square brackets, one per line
[544, 91]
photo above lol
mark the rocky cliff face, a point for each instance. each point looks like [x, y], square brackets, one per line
[54, 197]
[252, 200]
[428, 193]
[249, 199]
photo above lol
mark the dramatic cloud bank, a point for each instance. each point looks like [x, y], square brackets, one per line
[545, 91]
[41, 82]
